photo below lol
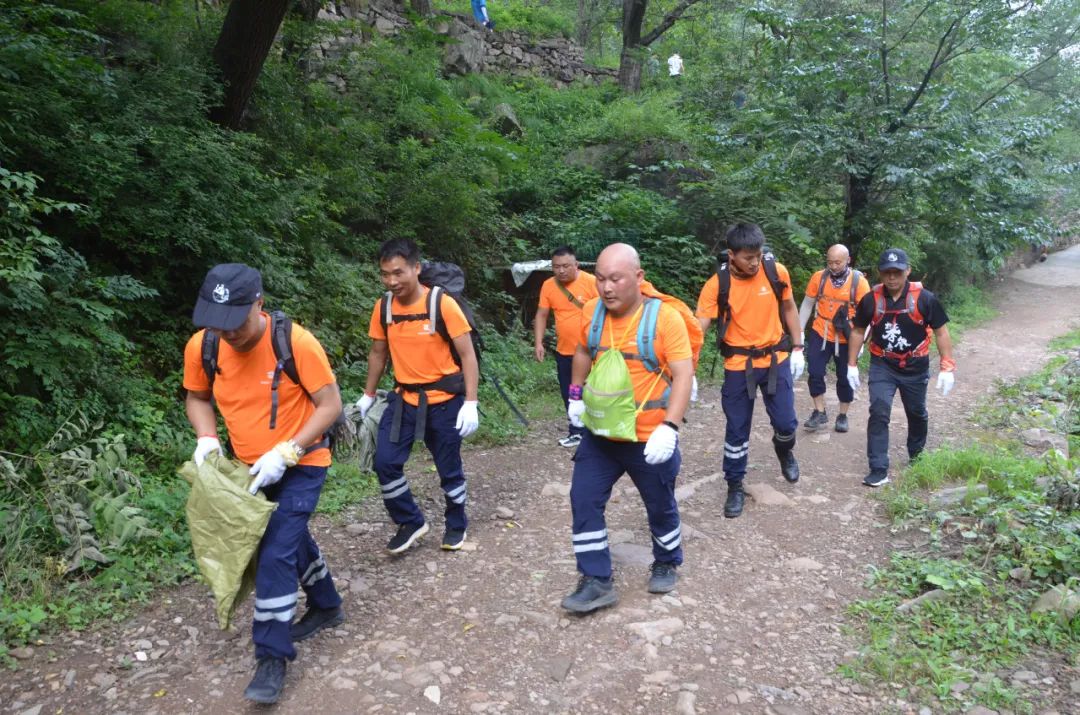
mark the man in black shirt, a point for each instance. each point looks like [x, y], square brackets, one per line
[902, 316]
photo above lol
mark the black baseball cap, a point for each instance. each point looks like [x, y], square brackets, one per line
[226, 296]
[893, 258]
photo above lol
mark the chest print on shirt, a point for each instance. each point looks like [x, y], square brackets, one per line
[894, 341]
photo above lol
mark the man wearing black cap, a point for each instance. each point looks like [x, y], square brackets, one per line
[277, 426]
[902, 316]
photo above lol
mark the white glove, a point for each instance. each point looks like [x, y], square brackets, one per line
[468, 418]
[945, 382]
[574, 411]
[364, 404]
[661, 445]
[853, 377]
[267, 470]
[203, 447]
[693, 390]
[798, 364]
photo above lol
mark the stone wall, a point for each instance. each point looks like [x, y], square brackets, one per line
[471, 48]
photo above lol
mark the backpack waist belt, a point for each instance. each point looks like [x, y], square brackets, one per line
[783, 346]
[921, 351]
[454, 384]
[659, 403]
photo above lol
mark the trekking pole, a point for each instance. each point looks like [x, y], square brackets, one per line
[712, 368]
[507, 400]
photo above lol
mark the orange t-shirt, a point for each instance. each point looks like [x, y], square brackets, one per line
[755, 316]
[242, 392]
[672, 345]
[419, 354]
[831, 300]
[567, 315]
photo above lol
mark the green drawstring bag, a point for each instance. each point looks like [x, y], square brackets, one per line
[610, 410]
[226, 525]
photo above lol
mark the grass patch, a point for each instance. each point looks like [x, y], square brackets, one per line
[989, 553]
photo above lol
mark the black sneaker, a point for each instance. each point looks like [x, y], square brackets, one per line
[406, 536]
[733, 505]
[570, 440]
[663, 578]
[876, 479]
[453, 539]
[315, 620]
[817, 419]
[268, 682]
[841, 423]
[591, 593]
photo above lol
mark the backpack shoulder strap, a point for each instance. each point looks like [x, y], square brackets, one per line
[646, 334]
[438, 325]
[723, 307]
[778, 286]
[879, 303]
[569, 296]
[281, 341]
[596, 329]
[821, 287]
[855, 278]
[210, 344]
[386, 315]
[914, 292]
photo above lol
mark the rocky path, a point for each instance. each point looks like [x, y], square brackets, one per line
[756, 626]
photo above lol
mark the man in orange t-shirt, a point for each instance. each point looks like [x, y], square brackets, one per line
[566, 293]
[285, 443]
[829, 300]
[653, 460]
[756, 354]
[435, 397]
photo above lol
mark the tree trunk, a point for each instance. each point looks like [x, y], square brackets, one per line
[630, 59]
[245, 40]
[421, 7]
[856, 210]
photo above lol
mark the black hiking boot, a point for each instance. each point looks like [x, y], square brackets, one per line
[664, 577]
[735, 497]
[591, 593]
[268, 682]
[789, 466]
[841, 423]
[315, 620]
[816, 420]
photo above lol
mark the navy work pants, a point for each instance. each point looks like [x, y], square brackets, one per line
[739, 412]
[288, 554]
[444, 442]
[818, 356]
[598, 464]
[883, 383]
[564, 364]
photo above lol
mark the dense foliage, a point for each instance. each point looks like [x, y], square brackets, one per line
[118, 192]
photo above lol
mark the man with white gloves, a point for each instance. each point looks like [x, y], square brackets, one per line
[903, 316]
[650, 412]
[751, 301]
[233, 363]
[435, 397]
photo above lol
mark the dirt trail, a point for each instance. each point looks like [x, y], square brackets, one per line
[756, 625]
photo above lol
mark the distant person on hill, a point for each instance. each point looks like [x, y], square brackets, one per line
[675, 65]
[281, 432]
[479, 11]
[565, 293]
[902, 316]
[831, 298]
[632, 370]
[747, 297]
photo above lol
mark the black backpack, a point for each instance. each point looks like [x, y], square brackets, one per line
[723, 277]
[281, 341]
[441, 278]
